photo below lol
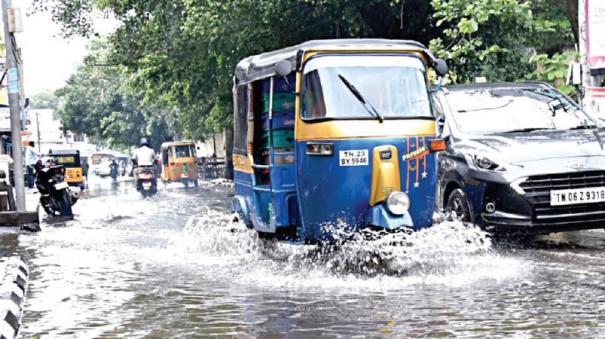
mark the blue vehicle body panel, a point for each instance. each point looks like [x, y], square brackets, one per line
[331, 194]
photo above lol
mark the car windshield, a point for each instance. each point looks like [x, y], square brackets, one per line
[502, 110]
[367, 87]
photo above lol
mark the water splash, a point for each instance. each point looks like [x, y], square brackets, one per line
[450, 252]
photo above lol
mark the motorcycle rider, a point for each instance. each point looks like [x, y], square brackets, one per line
[113, 169]
[144, 156]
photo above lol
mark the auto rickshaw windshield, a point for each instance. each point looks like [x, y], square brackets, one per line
[184, 151]
[67, 160]
[364, 87]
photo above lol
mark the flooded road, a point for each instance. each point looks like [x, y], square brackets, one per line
[177, 266]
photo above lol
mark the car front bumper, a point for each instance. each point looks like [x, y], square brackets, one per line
[527, 208]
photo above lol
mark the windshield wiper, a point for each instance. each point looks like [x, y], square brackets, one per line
[485, 108]
[529, 129]
[584, 127]
[361, 99]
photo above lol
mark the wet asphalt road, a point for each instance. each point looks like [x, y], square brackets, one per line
[176, 265]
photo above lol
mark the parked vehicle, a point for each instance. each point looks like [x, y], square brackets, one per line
[55, 196]
[333, 135]
[521, 157]
[100, 163]
[179, 162]
[146, 180]
[70, 160]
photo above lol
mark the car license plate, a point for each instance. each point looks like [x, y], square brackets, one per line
[61, 185]
[577, 196]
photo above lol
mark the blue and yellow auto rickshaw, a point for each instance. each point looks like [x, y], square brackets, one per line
[336, 134]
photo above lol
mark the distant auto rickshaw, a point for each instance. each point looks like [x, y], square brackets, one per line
[179, 162]
[70, 159]
[336, 135]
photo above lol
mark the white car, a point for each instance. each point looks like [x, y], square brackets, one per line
[102, 169]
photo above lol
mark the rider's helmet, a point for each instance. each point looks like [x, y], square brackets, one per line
[145, 142]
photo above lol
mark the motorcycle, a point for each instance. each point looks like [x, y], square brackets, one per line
[146, 181]
[55, 196]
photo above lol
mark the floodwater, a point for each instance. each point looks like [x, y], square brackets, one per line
[176, 265]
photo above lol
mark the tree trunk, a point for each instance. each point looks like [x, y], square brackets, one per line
[228, 135]
[572, 13]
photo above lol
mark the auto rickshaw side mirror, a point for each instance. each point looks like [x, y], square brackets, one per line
[441, 67]
[283, 68]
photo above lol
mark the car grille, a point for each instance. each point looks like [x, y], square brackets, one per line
[537, 191]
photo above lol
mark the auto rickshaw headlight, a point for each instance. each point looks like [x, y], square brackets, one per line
[398, 203]
[320, 148]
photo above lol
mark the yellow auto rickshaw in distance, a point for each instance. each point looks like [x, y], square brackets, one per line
[179, 162]
[70, 159]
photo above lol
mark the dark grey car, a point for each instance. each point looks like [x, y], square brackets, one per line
[521, 157]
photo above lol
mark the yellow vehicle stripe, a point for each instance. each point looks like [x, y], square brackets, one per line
[349, 129]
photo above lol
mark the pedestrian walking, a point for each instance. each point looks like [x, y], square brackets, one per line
[85, 172]
[31, 157]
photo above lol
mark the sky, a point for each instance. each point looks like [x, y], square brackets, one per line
[48, 59]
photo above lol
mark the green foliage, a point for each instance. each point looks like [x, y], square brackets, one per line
[98, 101]
[551, 26]
[553, 69]
[483, 38]
[44, 100]
[178, 56]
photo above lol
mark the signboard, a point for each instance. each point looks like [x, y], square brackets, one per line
[594, 102]
[5, 119]
[595, 36]
[13, 80]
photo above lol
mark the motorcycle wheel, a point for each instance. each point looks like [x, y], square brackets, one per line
[46, 206]
[65, 205]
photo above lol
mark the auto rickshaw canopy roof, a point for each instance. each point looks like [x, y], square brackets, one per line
[64, 152]
[263, 65]
[177, 143]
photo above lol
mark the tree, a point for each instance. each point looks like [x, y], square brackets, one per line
[44, 100]
[99, 101]
[179, 55]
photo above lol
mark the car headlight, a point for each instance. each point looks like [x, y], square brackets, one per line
[481, 162]
[398, 203]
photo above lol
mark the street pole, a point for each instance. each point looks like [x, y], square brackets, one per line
[38, 129]
[15, 108]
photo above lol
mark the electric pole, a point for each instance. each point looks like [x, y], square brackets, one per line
[15, 106]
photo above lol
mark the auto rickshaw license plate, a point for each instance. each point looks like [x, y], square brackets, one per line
[146, 185]
[577, 196]
[357, 157]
